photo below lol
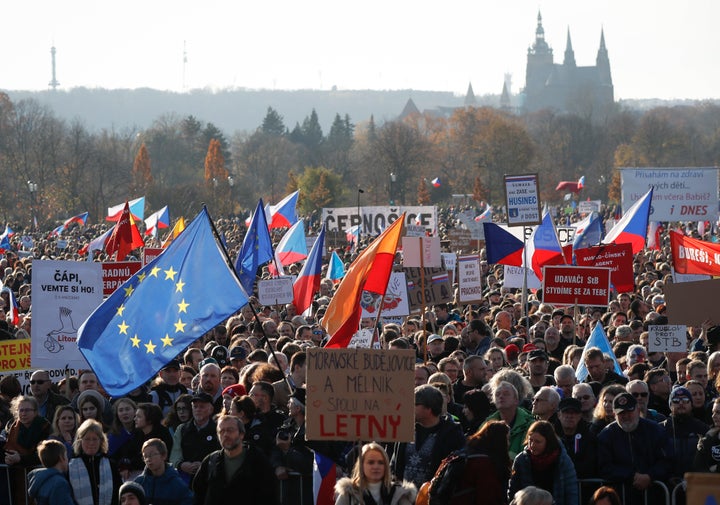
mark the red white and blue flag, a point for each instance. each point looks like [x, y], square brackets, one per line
[292, 247]
[5, 238]
[486, 215]
[97, 244]
[80, 219]
[157, 221]
[14, 309]
[284, 214]
[436, 182]
[324, 477]
[632, 227]
[502, 247]
[308, 281]
[137, 209]
[543, 247]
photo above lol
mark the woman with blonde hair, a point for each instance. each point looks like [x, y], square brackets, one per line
[371, 483]
[93, 477]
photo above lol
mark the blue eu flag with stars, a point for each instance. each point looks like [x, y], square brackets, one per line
[159, 311]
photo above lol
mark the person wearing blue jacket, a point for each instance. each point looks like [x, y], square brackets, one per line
[49, 485]
[160, 480]
[544, 463]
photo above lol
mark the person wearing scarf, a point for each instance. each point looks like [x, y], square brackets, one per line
[545, 464]
[93, 478]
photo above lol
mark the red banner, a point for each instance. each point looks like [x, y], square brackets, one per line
[617, 257]
[117, 272]
[570, 285]
[150, 253]
[693, 256]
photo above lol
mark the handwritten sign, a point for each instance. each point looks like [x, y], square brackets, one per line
[437, 287]
[667, 338]
[469, 279]
[274, 291]
[360, 394]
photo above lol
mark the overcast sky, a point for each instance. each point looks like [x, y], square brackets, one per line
[657, 48]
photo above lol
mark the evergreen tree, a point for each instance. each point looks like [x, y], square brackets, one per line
[273, 123]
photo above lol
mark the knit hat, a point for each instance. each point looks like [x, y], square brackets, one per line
[511, 352]
[134, 488]
[234, 390]
[679, 392]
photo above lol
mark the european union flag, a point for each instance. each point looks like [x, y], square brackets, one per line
[158, 312]
[256, 249]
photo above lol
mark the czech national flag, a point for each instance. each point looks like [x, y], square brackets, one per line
[157, 221]
[97, 244]
[80, 219]
[308, 281]
[543, 247]
[502, 247]
[588, 232]
[137, 209]
[487, 214]
[284, 214]
[5, 238]
[632, 227]
[14, 308]
[292, 247]
[324, 477]
[436, 182]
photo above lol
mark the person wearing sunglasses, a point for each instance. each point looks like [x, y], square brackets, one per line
[48, 401]
[641, 393]
[684, 431]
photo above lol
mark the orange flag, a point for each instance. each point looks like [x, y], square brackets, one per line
[125, 236]
[177, 229]
[369, 273]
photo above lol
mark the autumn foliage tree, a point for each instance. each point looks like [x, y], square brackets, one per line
[215, 163]
[423, 194]
[141, 171]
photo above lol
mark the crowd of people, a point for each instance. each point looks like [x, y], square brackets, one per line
[496, 382]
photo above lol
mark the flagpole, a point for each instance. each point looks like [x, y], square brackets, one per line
[525, 281]
[255, 315]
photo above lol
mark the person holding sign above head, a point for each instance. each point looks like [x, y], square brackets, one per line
[370, 481]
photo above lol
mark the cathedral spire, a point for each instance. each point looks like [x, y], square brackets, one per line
[470, 100]
[569, 53]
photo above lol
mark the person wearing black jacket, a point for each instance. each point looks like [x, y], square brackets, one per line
[235, 471]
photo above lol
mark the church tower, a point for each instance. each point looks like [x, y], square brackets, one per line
[603, 62]
[539, 63]
[569, 53]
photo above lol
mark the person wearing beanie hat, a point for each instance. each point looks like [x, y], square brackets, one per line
[684, 430]
[511, 354]
[132, 493]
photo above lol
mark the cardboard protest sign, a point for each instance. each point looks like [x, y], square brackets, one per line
[691, 303]
[360, 394]
[437, 287]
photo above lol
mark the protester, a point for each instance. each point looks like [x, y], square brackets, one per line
[544, 463]
[64, 427]
[49, 486]
[371, 481]
[93, 477]
[160, 481]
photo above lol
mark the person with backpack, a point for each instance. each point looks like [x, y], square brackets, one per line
[371, 483]
[475, 475]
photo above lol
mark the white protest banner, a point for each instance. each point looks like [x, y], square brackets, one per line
[65, 293]
[360, 394]
[395, 302]
[421, 252]
[275, 291]
[667, 338]
[680, 194]
[513, 278]
[23, 376]
[588, 206]
[688, 277]
[376, 219]
[469, 279]
[522, 200]
[450, 262]
[413, 230]
[362, 339]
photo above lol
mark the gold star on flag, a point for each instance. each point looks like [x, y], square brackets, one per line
[170, 274]
[167, 341]
[179, 286]
[135, 341]
[129, 290]
[150, 347]
[123, 328]
[141, 277]
[179, 326]
[154, 271]
[182, 306]
[120, 310]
